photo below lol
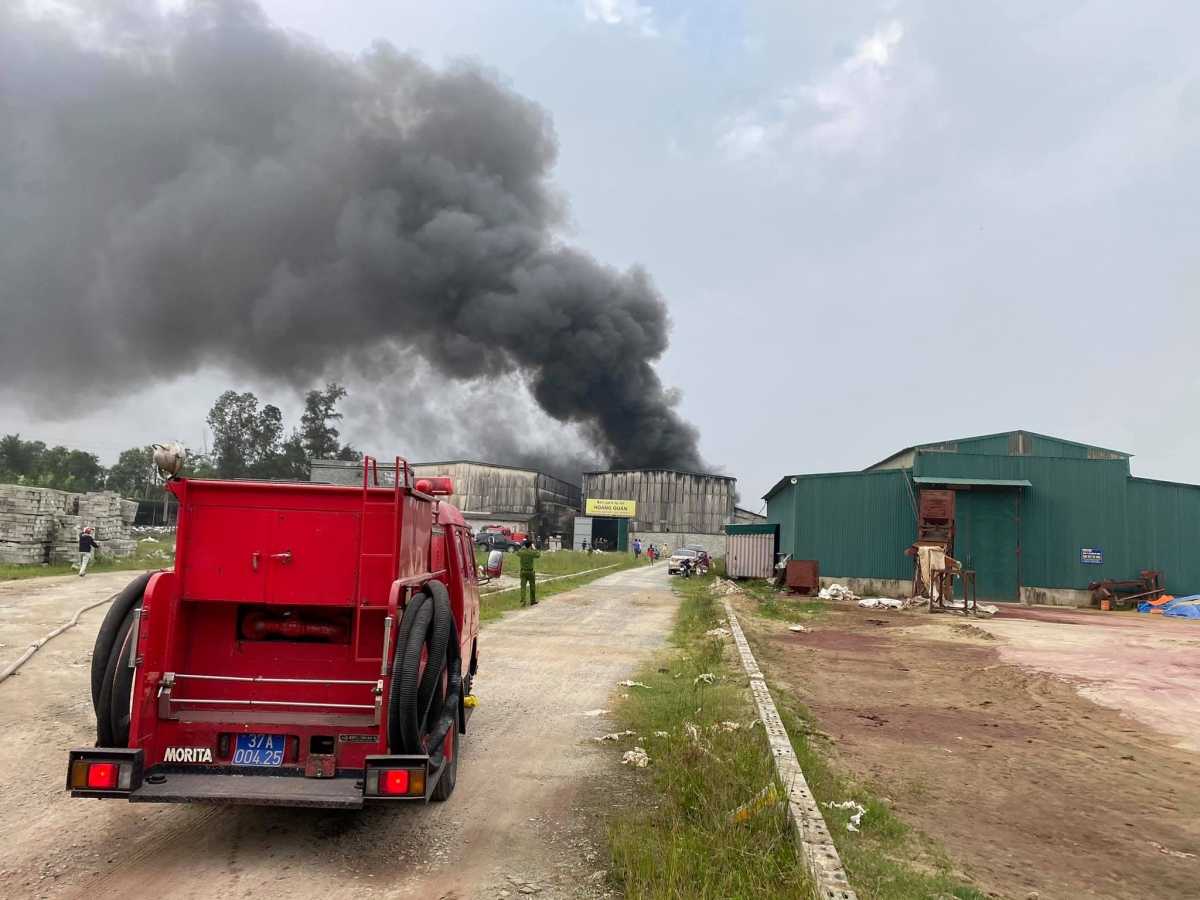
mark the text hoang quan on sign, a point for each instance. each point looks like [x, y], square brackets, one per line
[601, 507]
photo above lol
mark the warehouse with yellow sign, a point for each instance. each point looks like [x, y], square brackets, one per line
[596, 506]
[659, 506]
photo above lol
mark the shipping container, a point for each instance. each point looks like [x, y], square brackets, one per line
[750, 550]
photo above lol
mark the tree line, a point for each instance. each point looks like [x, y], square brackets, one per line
[249, 441]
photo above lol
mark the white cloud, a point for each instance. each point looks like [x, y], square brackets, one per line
[744, 139]
[852, 108]
[852, 102]
[621, 12]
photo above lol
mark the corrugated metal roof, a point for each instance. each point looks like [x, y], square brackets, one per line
[1003, 435]
[998, 445]
[754, 528]
[660, 469]
[975, 482]
[779, 486]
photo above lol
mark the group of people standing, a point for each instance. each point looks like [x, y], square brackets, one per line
[652, 552]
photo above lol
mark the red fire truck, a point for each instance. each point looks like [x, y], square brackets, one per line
[314, 645]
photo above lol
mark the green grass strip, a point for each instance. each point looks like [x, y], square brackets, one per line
[677, 839]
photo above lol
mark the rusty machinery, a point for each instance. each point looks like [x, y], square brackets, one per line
[1149, 585]
[935, 539]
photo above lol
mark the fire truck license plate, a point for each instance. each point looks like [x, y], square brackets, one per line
[259, 750]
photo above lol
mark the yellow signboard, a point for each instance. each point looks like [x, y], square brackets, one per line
[624, 508]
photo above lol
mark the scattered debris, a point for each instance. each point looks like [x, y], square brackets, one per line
[882, 603]
[636, 757]
[975, 631]
[615, 736]
[693, 732]
[877, 621]
[717, 633]
[661, 734]
[1179, 853]
[724, 588]
[800, 629]
[628, 683]
[837, 592]
[765, 798]
[707, 678]
[592, 713]
[726, 726]
[856, 819]
[878, 720]
[983, 610]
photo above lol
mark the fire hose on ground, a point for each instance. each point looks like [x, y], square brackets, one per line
[38, 644]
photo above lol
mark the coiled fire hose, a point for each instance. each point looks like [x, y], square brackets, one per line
[421, 711]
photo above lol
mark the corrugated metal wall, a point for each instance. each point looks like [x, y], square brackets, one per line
[1074, 503]
[856, 524]
[750, 555]
[1162, 531]
[859, 524]
[667, 500]
[483, 488]
[486, 488]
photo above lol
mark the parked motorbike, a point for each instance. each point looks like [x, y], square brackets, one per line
[685, 569]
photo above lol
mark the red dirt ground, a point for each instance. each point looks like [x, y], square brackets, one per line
[1029, 785]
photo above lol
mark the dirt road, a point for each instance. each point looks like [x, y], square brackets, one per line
[983, 743]
[520, 813]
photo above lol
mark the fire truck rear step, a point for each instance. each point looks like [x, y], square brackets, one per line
[324, 793]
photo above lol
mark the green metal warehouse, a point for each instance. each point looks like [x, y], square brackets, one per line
[1038, 518]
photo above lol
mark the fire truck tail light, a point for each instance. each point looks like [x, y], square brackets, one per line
[104, 771]
[103, 776]
[395, 782]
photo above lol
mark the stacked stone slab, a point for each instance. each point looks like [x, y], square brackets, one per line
[40, 525]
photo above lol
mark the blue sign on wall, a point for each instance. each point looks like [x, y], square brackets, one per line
[1093, 555]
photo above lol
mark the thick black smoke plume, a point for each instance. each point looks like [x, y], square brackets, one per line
[195, 188]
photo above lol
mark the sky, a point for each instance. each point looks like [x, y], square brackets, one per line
[874, 224]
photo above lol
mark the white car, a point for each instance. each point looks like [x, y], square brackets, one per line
[678, 557]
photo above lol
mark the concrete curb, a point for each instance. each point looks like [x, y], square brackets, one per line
[812, 834]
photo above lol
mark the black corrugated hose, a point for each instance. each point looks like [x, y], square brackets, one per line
[414, 700]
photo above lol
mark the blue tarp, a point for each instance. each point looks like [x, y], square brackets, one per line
[1179, 608]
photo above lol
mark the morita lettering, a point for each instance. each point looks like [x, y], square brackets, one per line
[188, 755]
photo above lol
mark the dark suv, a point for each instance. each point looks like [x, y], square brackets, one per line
[491, 540]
